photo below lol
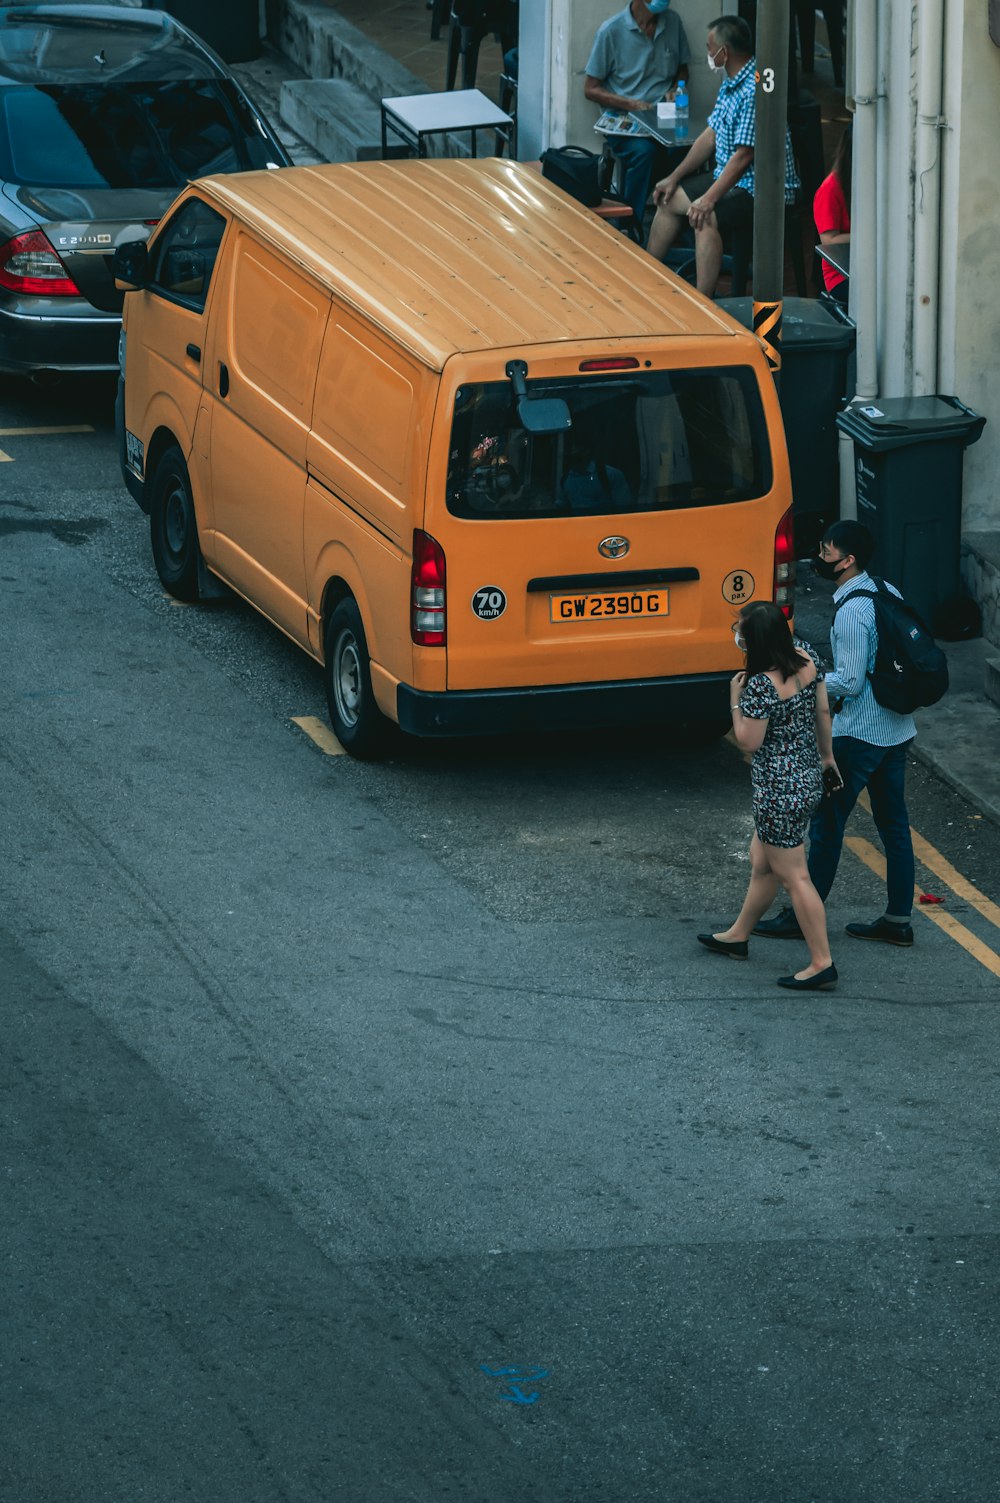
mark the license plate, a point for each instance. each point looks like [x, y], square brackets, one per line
[603, 607]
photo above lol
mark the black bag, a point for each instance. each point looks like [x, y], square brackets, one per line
[910, 669]
[577, 171]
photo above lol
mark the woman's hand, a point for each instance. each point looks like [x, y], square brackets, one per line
[737, 684]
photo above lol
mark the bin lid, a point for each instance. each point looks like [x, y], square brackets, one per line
[894, 422]
[805, 323]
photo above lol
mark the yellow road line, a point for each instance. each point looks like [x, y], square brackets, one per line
[39, 432]
[875, 861]
[6, 458]
[320, 733]
[942, 867]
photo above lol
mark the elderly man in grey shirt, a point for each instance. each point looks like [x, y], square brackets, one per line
[637, 58]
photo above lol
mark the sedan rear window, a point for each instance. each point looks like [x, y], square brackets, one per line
[656, 441]
[126, 136]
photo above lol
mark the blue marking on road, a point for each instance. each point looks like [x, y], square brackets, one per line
[517, 1397]
[515, 1392]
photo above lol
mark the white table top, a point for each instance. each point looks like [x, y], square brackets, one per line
[457, 109]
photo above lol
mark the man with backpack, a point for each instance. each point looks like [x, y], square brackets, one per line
[870, 740]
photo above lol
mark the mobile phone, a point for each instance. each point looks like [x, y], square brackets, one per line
[832, 781]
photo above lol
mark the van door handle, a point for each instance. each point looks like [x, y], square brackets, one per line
[223, 380]
[194, 351]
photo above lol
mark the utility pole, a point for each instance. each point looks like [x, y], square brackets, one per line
[769, 175]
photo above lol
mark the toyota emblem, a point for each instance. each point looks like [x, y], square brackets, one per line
[613, 547]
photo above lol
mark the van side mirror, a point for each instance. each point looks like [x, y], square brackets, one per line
[536, 414]
[130, 266]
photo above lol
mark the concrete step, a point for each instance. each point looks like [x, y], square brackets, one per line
[319, 41]
[981, 577]
[338, 119]
[991, 679]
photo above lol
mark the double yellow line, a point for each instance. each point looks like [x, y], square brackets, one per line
[952, 877]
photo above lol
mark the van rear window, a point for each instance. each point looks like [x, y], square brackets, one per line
[650, 441]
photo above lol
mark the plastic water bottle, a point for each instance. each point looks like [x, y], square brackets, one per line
[681, 101]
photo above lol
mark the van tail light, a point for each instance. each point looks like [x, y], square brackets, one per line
[427, 619]
[29, 264]
[784, 564]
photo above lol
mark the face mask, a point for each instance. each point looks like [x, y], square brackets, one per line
[739, 638]
[827, 568]
[713, 66]
[657, 7]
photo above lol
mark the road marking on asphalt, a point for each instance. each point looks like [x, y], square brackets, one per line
[6, 458]
[40, 432]
[320, 733]
[942, 867]
[875, 861]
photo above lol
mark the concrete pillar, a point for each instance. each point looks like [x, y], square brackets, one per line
[555, 42]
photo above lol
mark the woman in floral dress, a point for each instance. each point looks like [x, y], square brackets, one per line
[781, 714]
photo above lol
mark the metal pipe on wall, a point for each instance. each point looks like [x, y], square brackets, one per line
[927, 199]
[865, 196]
[863, 52]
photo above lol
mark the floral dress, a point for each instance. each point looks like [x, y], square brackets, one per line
[786, 775]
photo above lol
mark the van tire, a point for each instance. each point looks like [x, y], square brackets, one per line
[173, 528]
[358, 723]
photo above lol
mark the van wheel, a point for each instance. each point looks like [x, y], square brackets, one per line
[173, 529]
[359, 724]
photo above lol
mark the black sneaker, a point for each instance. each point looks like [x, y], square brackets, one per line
[785, 926]
[882, 929]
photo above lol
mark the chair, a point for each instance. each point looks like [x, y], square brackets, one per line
[508, 103]
[470, 21]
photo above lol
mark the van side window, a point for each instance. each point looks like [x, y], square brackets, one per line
[185, 253]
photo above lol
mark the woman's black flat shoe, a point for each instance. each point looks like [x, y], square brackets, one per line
[736, 949]
[823, 981]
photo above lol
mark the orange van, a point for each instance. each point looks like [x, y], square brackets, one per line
[483, 459]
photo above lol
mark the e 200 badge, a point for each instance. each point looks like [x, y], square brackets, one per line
[489, 603]
[737, 586]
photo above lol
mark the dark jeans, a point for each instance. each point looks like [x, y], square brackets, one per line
[641, 157]
[882, 770]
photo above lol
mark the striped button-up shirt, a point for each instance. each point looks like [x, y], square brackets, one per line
[734, 121]
[854, 641]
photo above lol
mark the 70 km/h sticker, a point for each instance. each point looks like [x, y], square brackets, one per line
[489, 602]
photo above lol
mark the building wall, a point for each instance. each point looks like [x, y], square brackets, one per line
[970, 217]
[556, 38]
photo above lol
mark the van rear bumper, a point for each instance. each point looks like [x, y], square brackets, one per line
[564, 707]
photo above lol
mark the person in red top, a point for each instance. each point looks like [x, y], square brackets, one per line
[832, 213]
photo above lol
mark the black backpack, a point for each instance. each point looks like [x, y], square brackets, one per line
[910, 669]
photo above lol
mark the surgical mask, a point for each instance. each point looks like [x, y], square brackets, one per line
[827, 568]
[739, 638]
[713, 66]
[657, 7]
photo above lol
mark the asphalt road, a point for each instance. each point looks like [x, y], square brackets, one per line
[380, 1133]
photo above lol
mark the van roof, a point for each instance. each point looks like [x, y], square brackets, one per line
[453, 255]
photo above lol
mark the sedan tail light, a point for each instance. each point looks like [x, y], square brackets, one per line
[29, 264]
[427, 622]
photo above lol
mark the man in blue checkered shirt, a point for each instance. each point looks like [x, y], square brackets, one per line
[716, 203]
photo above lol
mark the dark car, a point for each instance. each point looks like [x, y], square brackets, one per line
[106, 112]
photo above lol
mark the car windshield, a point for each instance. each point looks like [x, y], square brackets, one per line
[157, 135]
[656, 441]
